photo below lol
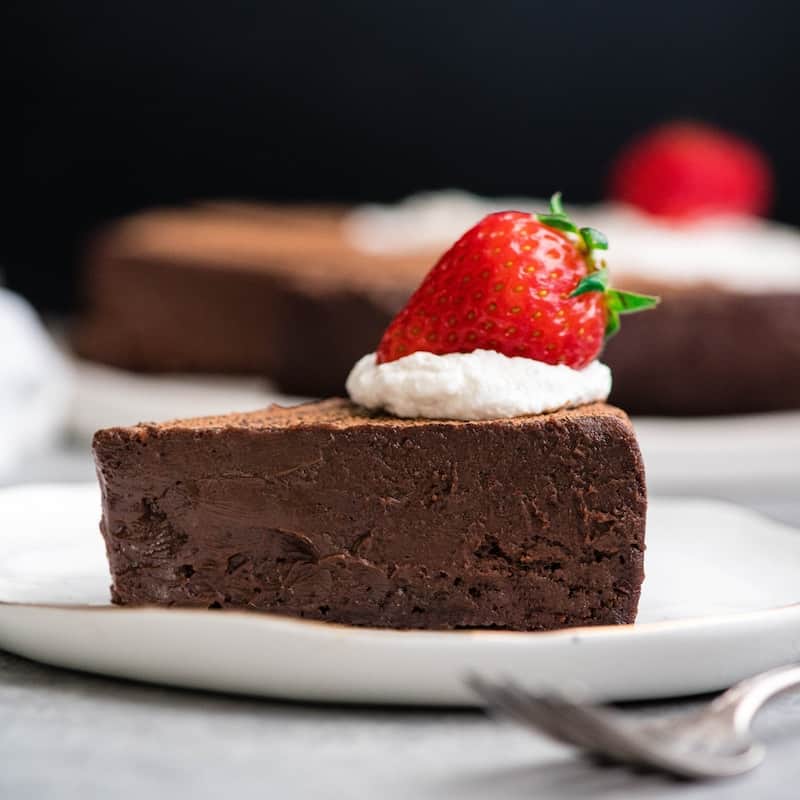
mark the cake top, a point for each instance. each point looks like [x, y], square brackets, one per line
[340, 414]
[307, 243]
[727, 252]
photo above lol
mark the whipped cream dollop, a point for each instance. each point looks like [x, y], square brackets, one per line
[483, 384]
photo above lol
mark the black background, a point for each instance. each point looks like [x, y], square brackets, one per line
[112, 106]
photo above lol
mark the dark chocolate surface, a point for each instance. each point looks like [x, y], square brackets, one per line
[332, 513]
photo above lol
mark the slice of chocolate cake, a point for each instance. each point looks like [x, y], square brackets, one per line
[330, 512]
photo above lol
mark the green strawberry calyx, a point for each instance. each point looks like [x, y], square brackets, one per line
[590, 242]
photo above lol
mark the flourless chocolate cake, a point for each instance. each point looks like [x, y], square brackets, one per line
[331, 512]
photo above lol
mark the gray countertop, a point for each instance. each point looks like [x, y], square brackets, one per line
[67, 735]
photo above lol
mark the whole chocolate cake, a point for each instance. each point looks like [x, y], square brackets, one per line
[292, 294]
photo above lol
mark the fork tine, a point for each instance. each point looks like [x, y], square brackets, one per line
[500, 700]
[588, 728]
[547, 713]
[599, 731]
[532, 711]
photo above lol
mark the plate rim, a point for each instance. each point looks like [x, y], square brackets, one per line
[358, 631]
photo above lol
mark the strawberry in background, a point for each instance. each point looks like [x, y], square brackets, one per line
[688, 170]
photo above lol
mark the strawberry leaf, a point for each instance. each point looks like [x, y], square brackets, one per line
[612, 323]
[590, 238]
[594, 239]
[616, 302]
[556, 206]
[593, 282]
[629, 302]
[558, 221]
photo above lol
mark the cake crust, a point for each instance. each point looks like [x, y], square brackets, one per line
[332, 512]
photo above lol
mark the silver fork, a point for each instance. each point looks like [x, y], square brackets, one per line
[712, 742]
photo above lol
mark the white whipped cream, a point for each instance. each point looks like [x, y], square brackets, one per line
[735, 252]
[738, 252]
[425, 221]
[482, 384]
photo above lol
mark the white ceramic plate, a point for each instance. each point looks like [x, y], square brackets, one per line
[719, 604]
[685, 455]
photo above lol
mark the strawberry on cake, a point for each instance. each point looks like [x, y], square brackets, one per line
[519, 295]
[475, 479]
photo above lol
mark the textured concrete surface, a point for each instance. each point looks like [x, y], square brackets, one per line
[68, 736]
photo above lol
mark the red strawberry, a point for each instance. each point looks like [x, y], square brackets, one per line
[690, 170]
[521, 284]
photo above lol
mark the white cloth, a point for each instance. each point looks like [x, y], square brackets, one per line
[35, 383]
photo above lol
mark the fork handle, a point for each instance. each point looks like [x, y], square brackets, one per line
[745, 699]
